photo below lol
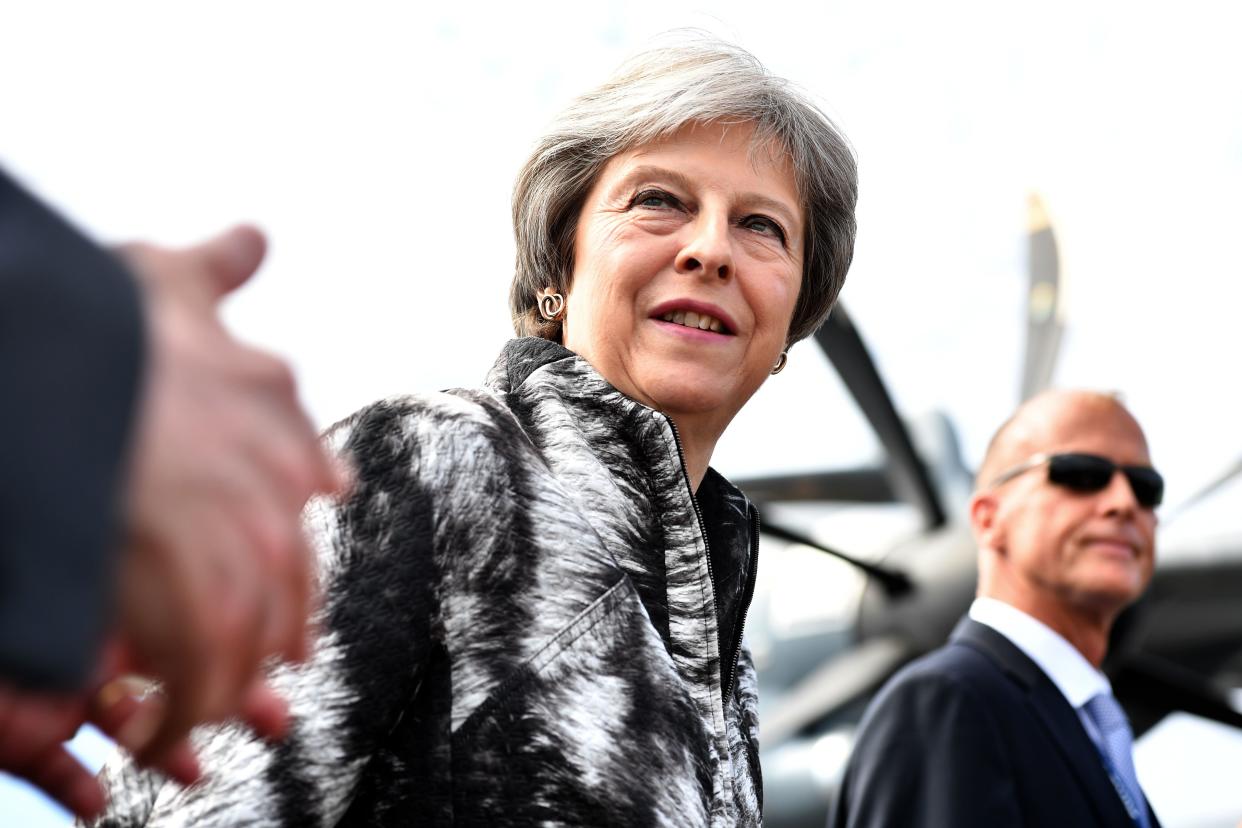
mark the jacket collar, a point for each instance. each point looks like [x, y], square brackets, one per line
[1053, 712]
[639, 449]
[522, 357]
[1069, 670]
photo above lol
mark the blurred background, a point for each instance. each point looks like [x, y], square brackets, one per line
[376, 143]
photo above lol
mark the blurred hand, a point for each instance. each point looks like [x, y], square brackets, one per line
[34, 727]
[218, 575]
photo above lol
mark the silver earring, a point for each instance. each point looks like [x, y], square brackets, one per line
[780, 363]
[551, 304]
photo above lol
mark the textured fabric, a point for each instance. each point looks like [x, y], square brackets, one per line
[71, 359]
[975, 735]
[1116, 744]
[519, 627]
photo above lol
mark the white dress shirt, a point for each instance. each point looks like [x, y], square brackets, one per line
[1074, 676]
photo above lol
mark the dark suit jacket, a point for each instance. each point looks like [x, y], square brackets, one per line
[975, 734]
[71, 346]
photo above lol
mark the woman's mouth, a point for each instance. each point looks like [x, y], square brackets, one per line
[691, 319]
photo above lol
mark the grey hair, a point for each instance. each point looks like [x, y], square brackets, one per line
[651, 96]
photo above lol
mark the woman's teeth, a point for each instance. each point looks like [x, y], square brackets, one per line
[694, 320]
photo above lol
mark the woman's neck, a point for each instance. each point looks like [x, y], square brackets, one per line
[698, 436]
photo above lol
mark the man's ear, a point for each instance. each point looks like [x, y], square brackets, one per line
[984, 509]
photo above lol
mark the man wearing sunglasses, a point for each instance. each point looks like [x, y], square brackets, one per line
[1012, 722]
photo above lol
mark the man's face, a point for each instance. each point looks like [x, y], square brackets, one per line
[1064, 550]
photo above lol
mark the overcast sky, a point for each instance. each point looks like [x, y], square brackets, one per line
[377, 143]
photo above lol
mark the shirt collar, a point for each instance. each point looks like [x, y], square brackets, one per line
[1069, 670]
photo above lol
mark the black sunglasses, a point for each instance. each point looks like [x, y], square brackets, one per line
[1092, 473]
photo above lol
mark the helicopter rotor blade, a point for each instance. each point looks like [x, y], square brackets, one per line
[1044, 301]
[1212, 486]
[845, 349]
[1153, 687]
[894, 582]
[861, 485]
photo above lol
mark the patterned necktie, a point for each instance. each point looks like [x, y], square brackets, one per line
[1117, 747]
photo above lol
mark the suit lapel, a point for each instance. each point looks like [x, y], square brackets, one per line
[1052, 710]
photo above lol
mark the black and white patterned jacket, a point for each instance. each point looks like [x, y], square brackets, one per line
[528, 619]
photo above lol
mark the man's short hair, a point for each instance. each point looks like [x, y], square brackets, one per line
[1003, 452]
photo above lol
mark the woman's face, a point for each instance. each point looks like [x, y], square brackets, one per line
[688, 261]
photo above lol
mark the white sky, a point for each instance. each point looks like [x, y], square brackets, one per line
[377, 143]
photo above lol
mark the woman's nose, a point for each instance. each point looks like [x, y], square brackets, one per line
[709, 249]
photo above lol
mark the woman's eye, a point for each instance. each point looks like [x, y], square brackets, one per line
[762, 224]
[654, 198]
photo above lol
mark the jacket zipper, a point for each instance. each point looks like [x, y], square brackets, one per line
[750, 575]
[749, 593]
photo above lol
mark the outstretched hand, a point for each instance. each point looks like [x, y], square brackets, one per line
[218, 575]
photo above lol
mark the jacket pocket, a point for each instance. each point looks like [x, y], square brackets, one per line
[564, 641]
[595, 728]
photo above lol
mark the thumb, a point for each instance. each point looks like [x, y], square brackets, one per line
[230, 258]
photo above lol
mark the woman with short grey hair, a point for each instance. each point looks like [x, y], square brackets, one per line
[650, 97]
[535, 595]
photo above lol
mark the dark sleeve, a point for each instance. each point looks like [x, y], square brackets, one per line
[927, 756]
[71, 347]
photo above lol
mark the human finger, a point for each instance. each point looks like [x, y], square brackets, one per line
[30, 721]
[292, 466]
[163, 631]
[270, 520]
[306, 466]
[216, 267]
[290, 601]
[286, 575]
[231, 258]
[344, 476]
[129, 709]
[266, 711]
[285, 465]
[214, 657]
[64, 779]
